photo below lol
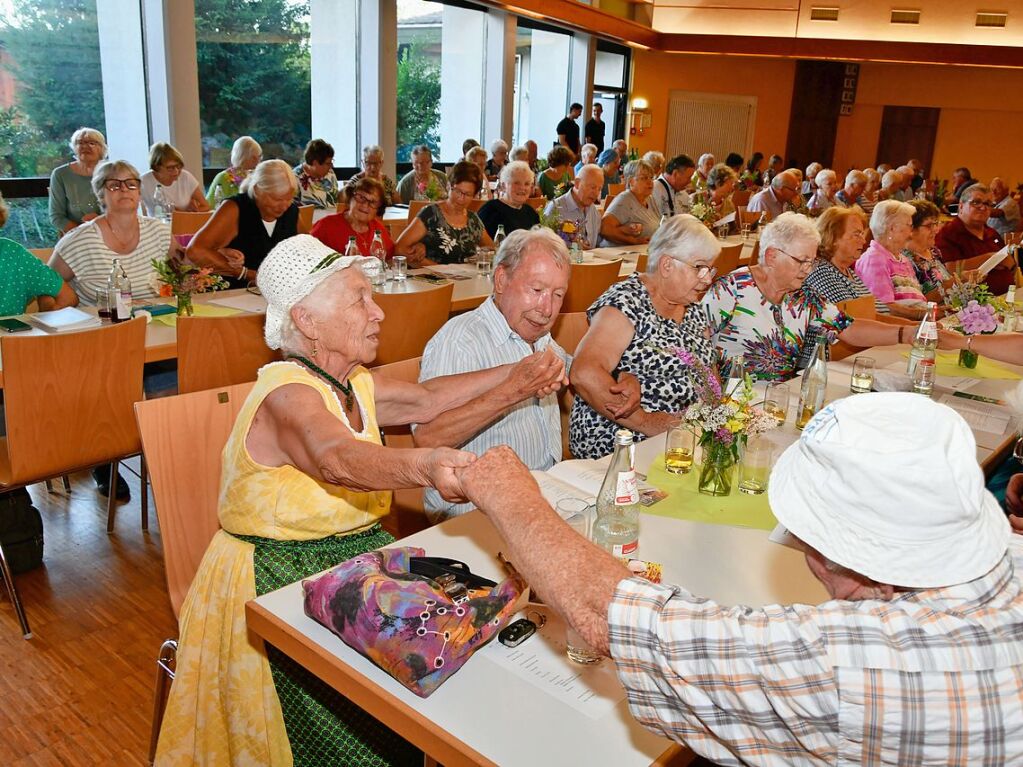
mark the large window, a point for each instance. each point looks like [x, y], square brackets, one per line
[50, 85]
[611, 87]
[254, 76]
[543, 62]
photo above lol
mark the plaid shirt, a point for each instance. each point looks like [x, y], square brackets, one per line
[932, 677]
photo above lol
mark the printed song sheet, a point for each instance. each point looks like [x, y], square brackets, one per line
[981, 416]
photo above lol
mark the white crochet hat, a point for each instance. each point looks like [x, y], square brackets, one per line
[888, 486]
[289, 273]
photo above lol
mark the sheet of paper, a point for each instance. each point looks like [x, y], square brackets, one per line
[994, 260]
[981, 416]
[247, 302]
[593, 690]
[782, 536]
[454, 270]
[725, 219]
[956, 383]
[554, 489]
[586, 475]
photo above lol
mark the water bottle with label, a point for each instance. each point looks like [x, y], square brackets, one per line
[161, 208]
[617, 527]
[575, 253]
[815, 384]
[378, 250]
[119, 290]
[499, 236]
[925, 343]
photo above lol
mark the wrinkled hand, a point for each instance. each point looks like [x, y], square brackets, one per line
[442, 464]
[950, 340]
[497, 474]
[1014, 495]
[628, 390]
[537, 375]
[235, 259]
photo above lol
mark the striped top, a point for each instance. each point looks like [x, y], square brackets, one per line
[88, 256]
[482, 339]
[930, 677]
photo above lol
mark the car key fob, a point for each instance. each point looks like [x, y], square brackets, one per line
[516, 633]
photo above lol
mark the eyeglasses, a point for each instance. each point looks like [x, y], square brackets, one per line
[981, 203]
[803, 262]
[703, 271]
[174, 166]
[790, 189]
[86, 142]
[116, 184]
[461, 193]
[364, 200]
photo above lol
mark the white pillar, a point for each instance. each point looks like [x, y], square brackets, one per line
[333, 26]
[463, 36]
[580, 81]
[124, 81]
[499, 80]
[173, 76]
[548, 87]
[378, 73]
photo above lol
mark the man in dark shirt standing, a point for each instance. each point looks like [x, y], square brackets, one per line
[594, 130]
[568, 129]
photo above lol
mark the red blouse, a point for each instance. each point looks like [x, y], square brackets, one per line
[334, 231]
[956, 243]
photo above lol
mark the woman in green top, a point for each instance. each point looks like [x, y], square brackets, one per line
[557, 179]
[72, 201]
[246, 154]
[24, 278]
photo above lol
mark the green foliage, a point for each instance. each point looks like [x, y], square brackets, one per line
[24, 150]
[418, 103]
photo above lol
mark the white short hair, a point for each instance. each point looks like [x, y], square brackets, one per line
[245, 148]
[813, 169]
[705, 157]
[90, 134]
[855, 177]
[372, 149]
[885, 213]
[891, 178]
[588, 150]
[272, 177]
[519, 153]
[497, 145]
[514, 168]
[684, 238]
[787, 230]
[823, 174]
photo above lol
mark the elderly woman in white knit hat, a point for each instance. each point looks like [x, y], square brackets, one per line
[305, 484]
[915, 659]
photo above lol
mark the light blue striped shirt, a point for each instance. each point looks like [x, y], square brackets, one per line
[482, 339]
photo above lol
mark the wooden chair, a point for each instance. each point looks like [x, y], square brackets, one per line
[68, 406]
[613, 189]
[414, 207]
[475, 205]
[567, 332]
[740, 198]
[183, 437]
[189, 221]
[221, 351]
[728, 260]
[587, 282]
[305, 218]
[43, 254]
[754, 257]
[407, 514]
[609, 199]
[860, 308]
[641, 261]
[743, 217]
[537, 203]
[410, 321]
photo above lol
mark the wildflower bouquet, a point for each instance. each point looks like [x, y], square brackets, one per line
[748, 182]
[705, 212]
[566, 230]
[178, 278]
[430, 190]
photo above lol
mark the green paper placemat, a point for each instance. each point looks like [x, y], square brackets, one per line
[684, 502]
[200, 310]
[947, 364]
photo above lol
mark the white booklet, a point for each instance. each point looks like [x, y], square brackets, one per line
[994, 260]
[582, 479]
[64, 320]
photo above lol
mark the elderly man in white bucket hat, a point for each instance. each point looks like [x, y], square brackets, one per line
[916, 659]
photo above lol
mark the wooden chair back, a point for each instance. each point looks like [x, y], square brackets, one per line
[728, 260]
[740, 197]
[68, 400]
[410, 321]
[615, 188]
[189, 221]
[587, 282]
[407, 515]
[305, 218]
[641, 261]
[609, 199]
[755, 255]
[43, 254]
[567, 332]
[743, 216]
[221, 351]
[183, 438]
[537, 203]
[861, 308]
[414, 207]
[475, 205]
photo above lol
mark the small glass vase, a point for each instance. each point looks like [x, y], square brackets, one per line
[967, 357]
[718, 469]
[185, 305]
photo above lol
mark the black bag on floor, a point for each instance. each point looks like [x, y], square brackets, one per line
[21, 530]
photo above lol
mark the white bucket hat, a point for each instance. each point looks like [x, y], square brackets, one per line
[289, 273]
[888, 486]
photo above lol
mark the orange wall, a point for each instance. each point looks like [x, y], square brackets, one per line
[770, 80]
[981, 113]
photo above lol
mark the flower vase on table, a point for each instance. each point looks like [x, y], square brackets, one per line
[718, 469]
[975, 316]
[967, 357]
[185, 305]
[176, 277]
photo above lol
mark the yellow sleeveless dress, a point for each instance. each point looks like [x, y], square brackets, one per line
[223, 708]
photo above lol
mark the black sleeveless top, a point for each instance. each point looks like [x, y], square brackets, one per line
[252, 239]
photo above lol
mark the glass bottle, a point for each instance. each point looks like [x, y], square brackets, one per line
[576, 254]
[815, 383]
[161, 208]
[119, 291]
[617, 527]
[378, 251]
[499, 236]
[925, 343]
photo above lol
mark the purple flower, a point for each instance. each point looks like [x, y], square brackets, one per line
[723, 435]
[977, 318]
[687, 358]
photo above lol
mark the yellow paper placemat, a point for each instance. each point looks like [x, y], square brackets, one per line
[685, 502]
[947, 364]
[200, 310]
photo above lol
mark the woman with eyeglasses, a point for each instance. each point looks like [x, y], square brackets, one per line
[930, 271]
[764, 313]
[72, 200]
[447, 232]
[179, 188]
[632, 217]
[967, 241]
[246, 227]
[885, 268]
[362, 205]
[632, 327]
[85, 255]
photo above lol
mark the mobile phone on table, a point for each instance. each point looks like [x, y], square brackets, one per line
[11, 325]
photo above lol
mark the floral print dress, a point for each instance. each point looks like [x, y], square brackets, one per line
[444, 243]
[666, 384]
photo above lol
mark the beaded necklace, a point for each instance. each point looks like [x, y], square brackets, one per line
[345, 389]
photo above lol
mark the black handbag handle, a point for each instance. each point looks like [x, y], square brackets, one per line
[436, 567]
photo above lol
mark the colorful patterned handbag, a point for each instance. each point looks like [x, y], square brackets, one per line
[418, 618]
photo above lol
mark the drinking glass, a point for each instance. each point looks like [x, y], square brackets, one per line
[923, 377]
[399, 265]
[103, 303]
[484, 262]
[679, 447]
[755, 467]
[575, 512]
[722, 232]
[862, 376]
[746, 231]
[776, 401]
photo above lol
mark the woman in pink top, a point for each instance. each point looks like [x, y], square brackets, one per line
[887, 273]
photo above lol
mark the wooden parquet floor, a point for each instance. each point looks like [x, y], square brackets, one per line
[80, 692]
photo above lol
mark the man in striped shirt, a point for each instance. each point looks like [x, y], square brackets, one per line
[512, 327]
[916, 659]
